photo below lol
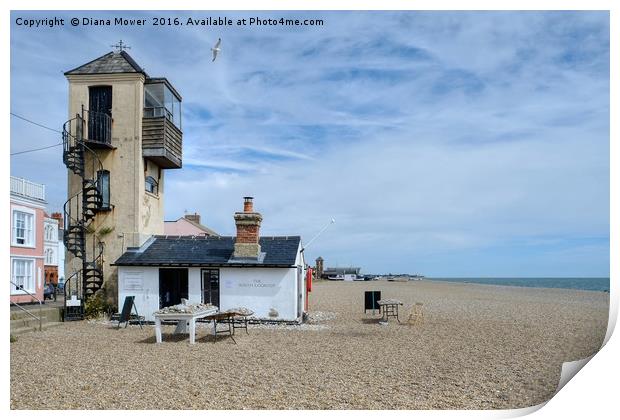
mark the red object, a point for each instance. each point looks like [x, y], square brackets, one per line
[308, 284]
[309, 280]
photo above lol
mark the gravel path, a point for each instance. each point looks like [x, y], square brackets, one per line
[479, 347]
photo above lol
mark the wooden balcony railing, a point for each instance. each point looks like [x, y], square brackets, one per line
[162, 142]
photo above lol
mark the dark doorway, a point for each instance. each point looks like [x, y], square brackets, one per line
[172, 286]
[99, 118]
[211, 286]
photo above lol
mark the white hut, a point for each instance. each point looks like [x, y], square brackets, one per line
[264, 274]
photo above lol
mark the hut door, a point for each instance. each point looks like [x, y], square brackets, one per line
[172, 286]
[211, 286]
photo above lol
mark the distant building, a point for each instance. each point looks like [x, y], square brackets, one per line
[318, 268]
[342, 273]
[50, 249]
[61, 246]
[27, 233]
[188, 225]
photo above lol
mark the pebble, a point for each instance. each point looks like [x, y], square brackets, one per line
[478, 347]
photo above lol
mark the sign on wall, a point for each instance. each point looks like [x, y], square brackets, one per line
[134, 282]
[255, 283]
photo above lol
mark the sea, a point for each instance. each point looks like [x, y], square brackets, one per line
[581, 283]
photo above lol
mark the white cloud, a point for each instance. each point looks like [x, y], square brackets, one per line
[435, 139]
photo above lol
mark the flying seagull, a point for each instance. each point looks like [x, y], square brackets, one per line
[216, 48]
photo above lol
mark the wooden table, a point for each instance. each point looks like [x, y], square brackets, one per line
[389, 308]
[239, 319]
[183, 321]
[222, 318]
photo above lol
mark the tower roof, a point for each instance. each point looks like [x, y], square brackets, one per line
[110, 63]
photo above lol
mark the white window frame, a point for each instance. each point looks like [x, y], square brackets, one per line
[49, 256]
[31, 239]
[29, 280]
[49, 232]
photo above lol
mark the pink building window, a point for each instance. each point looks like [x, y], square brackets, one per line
[23, 275]
[23, 232]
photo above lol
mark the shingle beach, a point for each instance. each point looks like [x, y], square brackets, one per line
[479, 347]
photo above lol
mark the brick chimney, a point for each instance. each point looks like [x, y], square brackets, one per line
[248, 227]
[193, 217]
[58, 216]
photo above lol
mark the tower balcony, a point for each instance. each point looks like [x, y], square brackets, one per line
[93, 128]
[162, 142]
[97, 129]
[162, 138]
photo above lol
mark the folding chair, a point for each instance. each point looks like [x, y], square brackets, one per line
[417, 314]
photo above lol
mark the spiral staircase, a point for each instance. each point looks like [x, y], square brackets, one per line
[80, 209]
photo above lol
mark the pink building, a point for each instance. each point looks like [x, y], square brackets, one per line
[27, 258]
[188, 225]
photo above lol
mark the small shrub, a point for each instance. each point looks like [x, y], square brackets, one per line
[97, 306]
[13, 338]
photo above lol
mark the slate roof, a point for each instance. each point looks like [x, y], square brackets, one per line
[110, 63]
[210, 251]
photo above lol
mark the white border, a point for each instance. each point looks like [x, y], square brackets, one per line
[592, 394]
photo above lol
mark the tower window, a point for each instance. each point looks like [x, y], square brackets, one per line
[103, 184]
[150, 185]
[161, 101]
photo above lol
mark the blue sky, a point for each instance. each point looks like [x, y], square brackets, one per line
[443, 143]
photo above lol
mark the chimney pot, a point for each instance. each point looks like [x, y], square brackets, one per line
[58, 216]
[248, 206]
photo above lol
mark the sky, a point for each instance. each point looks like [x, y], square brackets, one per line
[449, 144]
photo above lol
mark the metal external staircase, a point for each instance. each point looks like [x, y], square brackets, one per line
[79, 212]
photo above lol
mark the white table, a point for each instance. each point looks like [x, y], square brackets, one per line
[183, 320]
